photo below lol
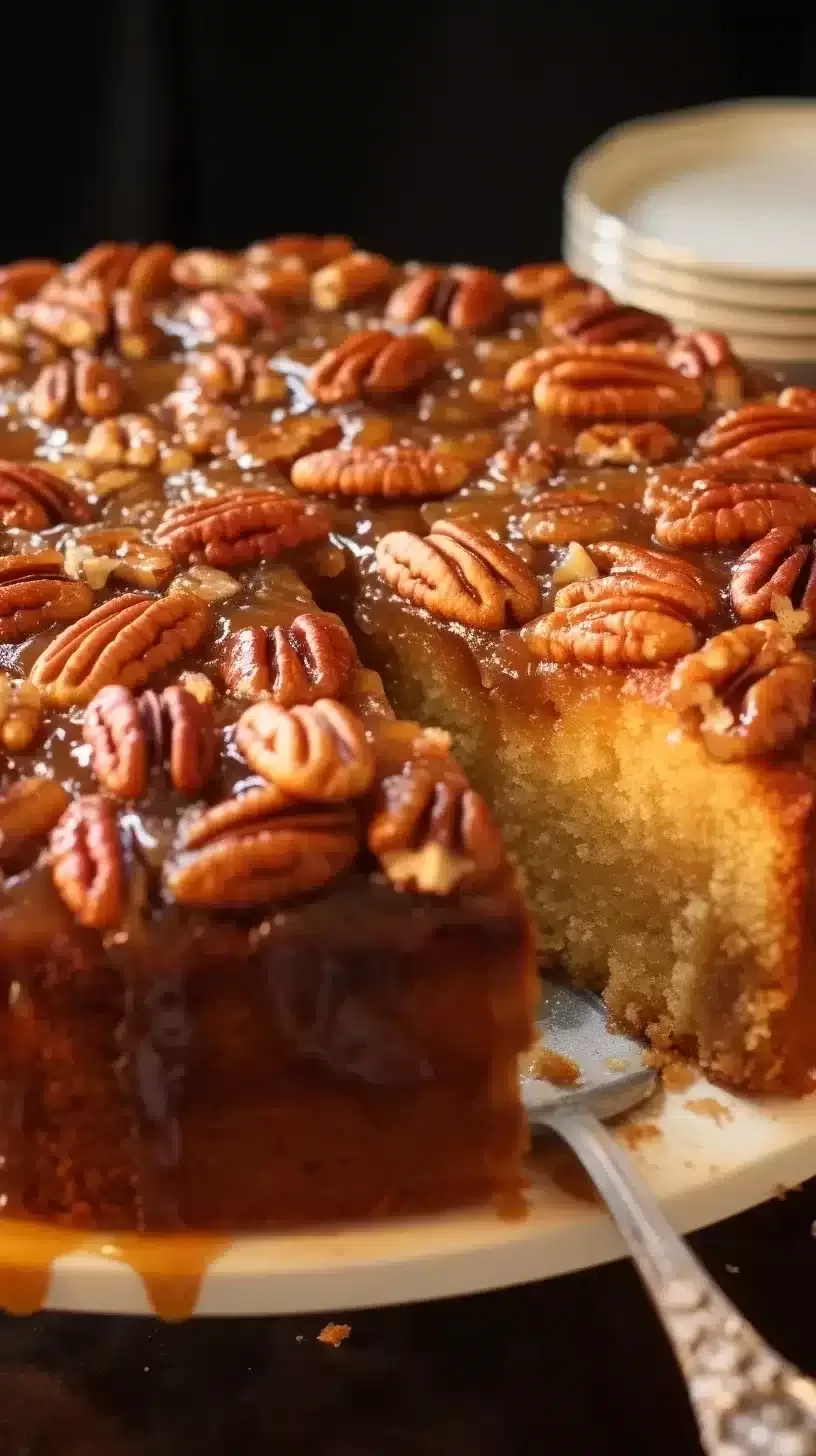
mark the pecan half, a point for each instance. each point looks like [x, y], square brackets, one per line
[126, 440]
[594, 381]
[559, 516]
[24, 279]
[714, 514]
[315, 751]
[462, 297]
[84, 385]
[598, 319]
[229, 371]
[284, 443]
[708, 356]
[240, 526]
[231, 318]
[123, 641]
[536, 282]
[73, 315]
[205, 268]
[460, 574]
[648, 443]
[29, 809]
[20, 714]
[259, 849]
[431, 832]
[285, 280]
[372, 362]
[312, 658]
[643, 612]
[348, 279]
[391, 471]
[305, 248]
[32, 499]
[779, 567]
[121, 552]
[748, 691]
[87, 863]
[137, 336]
[129, 735]
[783, 433]
[35, 594]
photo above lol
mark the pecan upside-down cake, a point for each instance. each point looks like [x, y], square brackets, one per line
[288, 536]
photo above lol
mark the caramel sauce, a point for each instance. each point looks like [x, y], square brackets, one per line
[171, 1268]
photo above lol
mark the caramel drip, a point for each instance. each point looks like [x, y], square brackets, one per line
[171, 1267]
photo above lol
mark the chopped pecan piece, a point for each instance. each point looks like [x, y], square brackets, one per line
[129, 735]
[20, 714]
[536, 282]
[312, 658]
[87, 863]
[122, 552]
[305, 248]
[647, 443]
[598, 319]
[29, 809]
[107, 264]
[748, 691]
[391, 471]
[316, 751]
[614, 381]
[259, 849]
[710, 513]
[779, 568]
[431, 832]
[708, 356]
[207, 582]
[203, 428]
[240, 526]
[286, 442]
[463, 297]
[461, 574]
[205, 268]
[348, 279]
[559, 516]
[529, 466]
[123, 641]
[35, 594]
[229, 371]
[643, 612]
[374, 362]
[32, 499]
[84, 385]
[782, 434]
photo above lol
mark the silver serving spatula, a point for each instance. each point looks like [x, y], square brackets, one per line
[746, 1398]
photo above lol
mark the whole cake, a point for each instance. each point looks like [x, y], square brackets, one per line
[318, 576]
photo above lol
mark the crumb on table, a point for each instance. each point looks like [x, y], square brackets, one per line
[332, 1334]
[634, 1134]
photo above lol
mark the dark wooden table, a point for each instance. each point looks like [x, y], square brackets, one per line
[573, 1367]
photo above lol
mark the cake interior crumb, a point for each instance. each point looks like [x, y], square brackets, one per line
[332, 1334]
[710, 1107]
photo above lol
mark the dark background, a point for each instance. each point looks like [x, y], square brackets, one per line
[441, 130]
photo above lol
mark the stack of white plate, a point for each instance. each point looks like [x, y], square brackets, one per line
[708, 217]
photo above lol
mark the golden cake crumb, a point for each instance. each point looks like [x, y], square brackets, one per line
[332, 1334]
[637, 1133]
[710, 1107]
[550, 1066]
